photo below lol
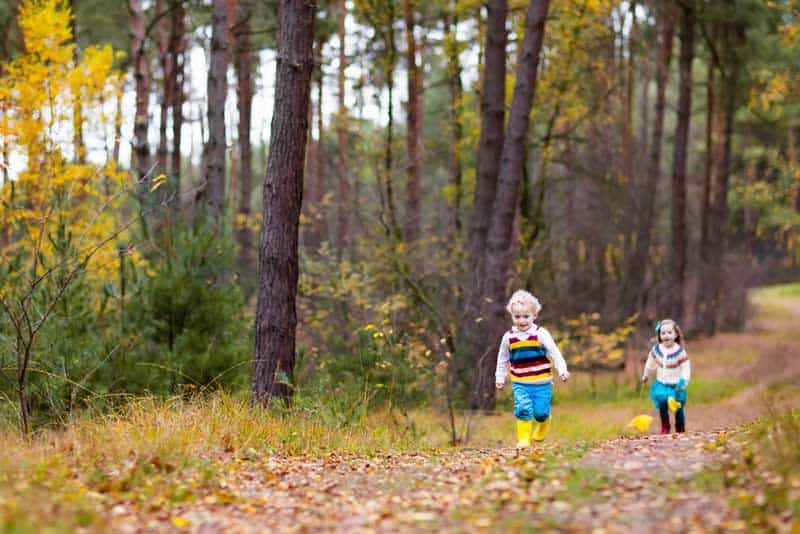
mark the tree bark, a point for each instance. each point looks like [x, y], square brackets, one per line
[678, 213]
[343, 183]
[629, 148]
[490, 144]
[141, 75]
[388, 158]
[457, 128]
[276, 317]
[732, 38]
[78, 142]
[633, 293]
[177, 46]
[705, 214]
[243, 64]
[472, 343]
[7, 30]
[413, 122]
[498, 249]
[217, 92]
[165, 59]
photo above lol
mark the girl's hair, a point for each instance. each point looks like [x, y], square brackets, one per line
[524, 298]
[678, 331]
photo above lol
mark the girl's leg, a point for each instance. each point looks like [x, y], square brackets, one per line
[659, 393]
[680, 420]
[663, 412]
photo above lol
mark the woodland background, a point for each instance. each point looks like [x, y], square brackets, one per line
[625, 161]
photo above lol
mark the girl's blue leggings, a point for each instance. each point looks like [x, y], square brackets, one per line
[660, 392]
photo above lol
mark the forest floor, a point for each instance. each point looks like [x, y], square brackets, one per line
[724, 474]
[220, 465]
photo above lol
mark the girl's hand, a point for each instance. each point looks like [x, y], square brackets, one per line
[498, 385]
[644, 378]
[564, 376]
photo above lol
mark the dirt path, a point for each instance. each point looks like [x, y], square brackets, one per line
[622, 485]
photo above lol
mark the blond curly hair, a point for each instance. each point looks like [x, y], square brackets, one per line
[524, 298]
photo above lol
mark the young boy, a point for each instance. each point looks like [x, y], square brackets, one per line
[529, 349]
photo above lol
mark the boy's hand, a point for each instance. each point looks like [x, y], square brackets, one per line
[564, 376]
[644, 378]
[498, 385]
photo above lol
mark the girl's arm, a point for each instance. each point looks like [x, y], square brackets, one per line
[502, 362]
[686, 372]
[649, 365]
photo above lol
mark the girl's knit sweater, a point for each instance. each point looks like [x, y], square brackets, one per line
[670, 365]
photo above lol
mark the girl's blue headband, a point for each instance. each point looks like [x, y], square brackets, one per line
[658, 327]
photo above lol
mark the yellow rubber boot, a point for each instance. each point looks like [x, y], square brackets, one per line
[524, 429]
[541, 430]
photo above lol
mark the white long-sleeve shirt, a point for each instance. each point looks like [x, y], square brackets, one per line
[670, 365]
[528, 354]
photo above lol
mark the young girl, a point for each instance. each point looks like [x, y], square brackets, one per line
[531, 354]
[671, 363]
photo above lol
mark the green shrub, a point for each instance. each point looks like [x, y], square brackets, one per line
[186, 324]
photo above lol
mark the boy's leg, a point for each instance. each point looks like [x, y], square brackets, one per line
[542, 397]
[523, 411]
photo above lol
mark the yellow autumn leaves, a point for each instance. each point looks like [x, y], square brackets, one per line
[46, 96]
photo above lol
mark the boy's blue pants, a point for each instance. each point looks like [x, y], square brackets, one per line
[532, 401]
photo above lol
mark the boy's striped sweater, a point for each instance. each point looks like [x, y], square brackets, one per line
[527, 355]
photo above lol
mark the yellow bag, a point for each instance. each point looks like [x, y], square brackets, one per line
[641, 423]
[673, 405]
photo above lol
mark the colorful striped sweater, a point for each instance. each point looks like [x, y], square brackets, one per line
[670, 367]
[529, 356]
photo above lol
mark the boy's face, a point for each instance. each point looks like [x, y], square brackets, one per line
[668, 334]
[522, 316]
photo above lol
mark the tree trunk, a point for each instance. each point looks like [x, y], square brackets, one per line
[343, 185]
[217, 92]
[165, 59]
[720, 208]
[117, 128]
[413, 122]
[77, 108]
[498, 249]
[243, 63]
[388, 158]
[629, 148]
[320, 177]
[141, 75]
[276, 317]
[456, 96]
[7, 30]
[678, 215]
[633, 292]
[490, 145]
[705, 213]
[177, 46]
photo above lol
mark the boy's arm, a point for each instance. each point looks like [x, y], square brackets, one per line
[554, 354]
[502, 362]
